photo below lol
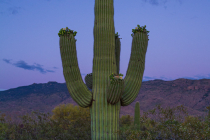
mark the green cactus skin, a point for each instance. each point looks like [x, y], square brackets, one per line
[117, 51]
[135, 69]
[117, 88]
[137, 116]
[108, 94]
[89, 80]
[74, 82]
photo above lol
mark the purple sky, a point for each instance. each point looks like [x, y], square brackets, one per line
[178, 47]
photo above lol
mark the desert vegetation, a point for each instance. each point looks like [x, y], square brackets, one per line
[74, 123]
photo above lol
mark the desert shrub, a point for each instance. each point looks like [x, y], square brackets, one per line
[74, 122]
[126, 120]
[3, 129]
[192, 126]
[75, 118]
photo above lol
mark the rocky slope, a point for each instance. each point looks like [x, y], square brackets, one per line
[192, 94]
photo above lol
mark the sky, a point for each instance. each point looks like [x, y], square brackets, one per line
[178, 47]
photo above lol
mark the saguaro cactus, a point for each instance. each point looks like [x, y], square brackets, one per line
[109, 89]
[137, 116]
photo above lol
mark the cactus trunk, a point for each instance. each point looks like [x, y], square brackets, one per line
[109, 90]
[104, 116]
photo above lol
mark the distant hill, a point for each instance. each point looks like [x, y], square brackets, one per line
[2, 89]
[192, 94]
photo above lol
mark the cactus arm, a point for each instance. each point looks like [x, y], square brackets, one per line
[76, 87]
[117, 51]
[115, 90]
[135, 71]
[116, 86]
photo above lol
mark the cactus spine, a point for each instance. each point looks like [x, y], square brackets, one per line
[137, 116]
[109, 92]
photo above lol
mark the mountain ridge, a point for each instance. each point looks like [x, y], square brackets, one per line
[192, 94]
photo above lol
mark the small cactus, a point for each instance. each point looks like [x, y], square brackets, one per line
[137, 116]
